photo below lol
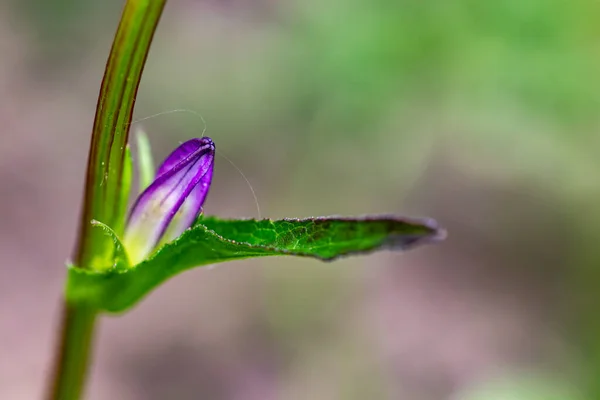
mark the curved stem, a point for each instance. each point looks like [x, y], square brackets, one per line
[104, 188]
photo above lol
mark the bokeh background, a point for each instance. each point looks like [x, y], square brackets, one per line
[481, 114]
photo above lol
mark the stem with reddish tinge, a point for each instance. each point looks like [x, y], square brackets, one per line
[103, 200]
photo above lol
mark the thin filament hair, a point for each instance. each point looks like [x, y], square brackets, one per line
[219, 153]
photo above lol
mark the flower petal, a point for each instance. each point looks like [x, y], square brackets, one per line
[181, 153]
[190, 209]
[180, 187]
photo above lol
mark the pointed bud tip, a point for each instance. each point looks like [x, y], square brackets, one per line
[196, 144]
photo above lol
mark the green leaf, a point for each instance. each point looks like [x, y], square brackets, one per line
[325, 238]
[213, 240]
[118, 253]
[145, 161]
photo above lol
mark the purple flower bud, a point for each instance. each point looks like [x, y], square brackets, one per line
[173, 201]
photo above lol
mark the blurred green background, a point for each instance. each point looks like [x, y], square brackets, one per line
[481, 114]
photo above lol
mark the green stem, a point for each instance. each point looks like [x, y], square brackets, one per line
[76, 338]
[104, 180]
[102, 200]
